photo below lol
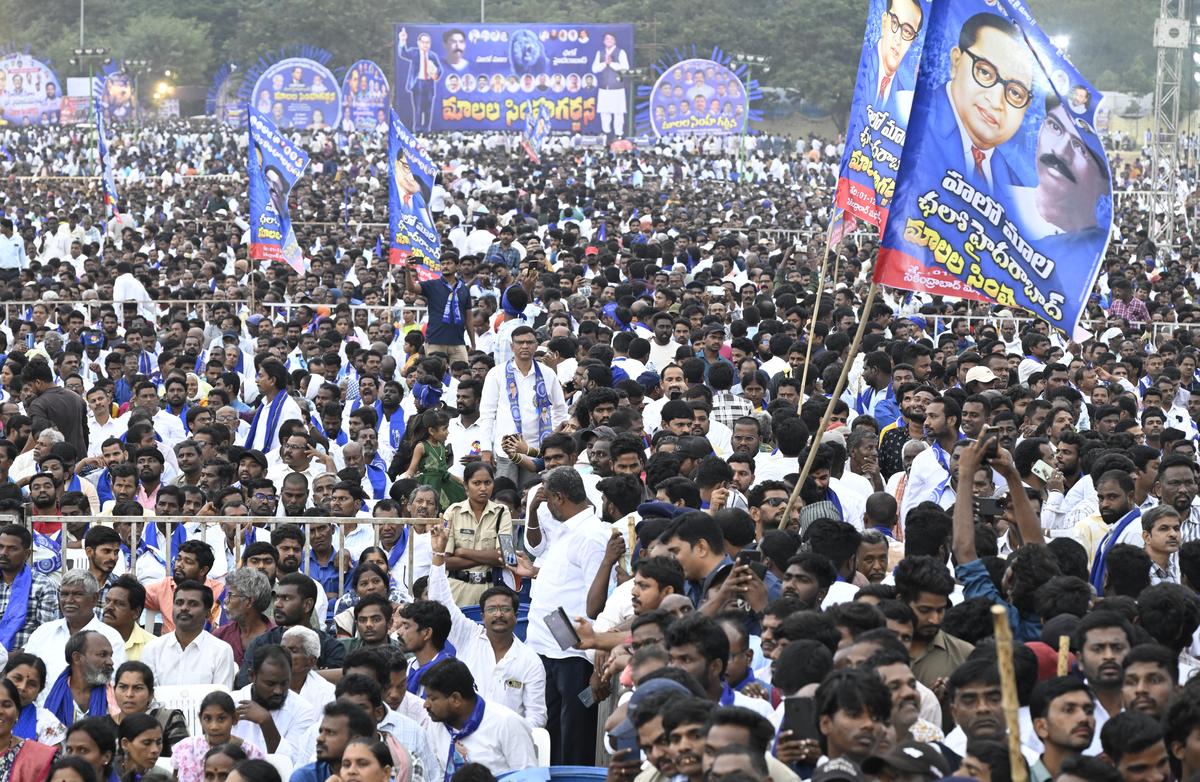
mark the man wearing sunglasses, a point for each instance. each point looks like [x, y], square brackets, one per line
[990, 87]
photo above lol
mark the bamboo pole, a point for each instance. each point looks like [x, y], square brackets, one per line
[833, 397]
[812, 319]
[1064, 654]
[1008, 691]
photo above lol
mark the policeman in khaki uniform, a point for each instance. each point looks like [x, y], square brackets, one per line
[475, 526]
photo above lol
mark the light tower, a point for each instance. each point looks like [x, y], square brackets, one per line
[1172, 37]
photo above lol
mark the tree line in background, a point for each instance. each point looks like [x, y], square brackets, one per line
[813, 45]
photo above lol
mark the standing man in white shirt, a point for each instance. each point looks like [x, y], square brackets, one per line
[469, 728]
[520, 396]
[466, 433]
[12, 252]
[191, 655]
[275, 406]
[572, 560]
[929, 477]
[168, 428]
[103, 425]
[508, 671]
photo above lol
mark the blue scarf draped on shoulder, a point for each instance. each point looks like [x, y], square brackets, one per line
[1100, 564]
[60, 703]
[414, 676]
[455, 759]
[17, 609]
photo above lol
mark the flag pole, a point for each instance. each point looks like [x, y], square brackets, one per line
[812, 319]
[1008, 692]
[833, 397]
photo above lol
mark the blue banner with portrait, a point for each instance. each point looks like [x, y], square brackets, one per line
[411, 233]
[883, 96]
[118, 98]
[274, 166]
[1004, 193]
[107, 180]
[537, 127]
[298, 93]
[365, 96]
[476, 76]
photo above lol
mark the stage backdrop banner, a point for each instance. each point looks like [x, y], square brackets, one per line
[699, 98]
[476, 77]
[274, 165]
[30, 93]
[883, 95]
[365, 96]
[298, 93]
[1004, 191]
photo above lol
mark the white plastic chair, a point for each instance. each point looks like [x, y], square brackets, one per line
[282, 764]
[186, 698]
[76, 559]
[541, 741]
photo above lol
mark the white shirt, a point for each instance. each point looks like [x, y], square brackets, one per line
[495, 412]
[463, 440]
[289, 412]
[168, 427]
[317, 690]
[502, 742]
[206, 660]
[663, 355]
[566, 570]
[127, 288]
[49, 640]
[98, 433]
[517, 680]
[927, 480]
[296, 721]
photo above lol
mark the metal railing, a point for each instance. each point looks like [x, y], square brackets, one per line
[305, 523]
[23, 310]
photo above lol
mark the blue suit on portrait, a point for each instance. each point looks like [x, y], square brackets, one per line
[902, 81]
[421, 85]
[943, 149]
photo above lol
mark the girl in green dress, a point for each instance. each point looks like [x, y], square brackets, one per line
[431, 457]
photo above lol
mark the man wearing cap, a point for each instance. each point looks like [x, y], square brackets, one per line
[911, 761]
[979, 379]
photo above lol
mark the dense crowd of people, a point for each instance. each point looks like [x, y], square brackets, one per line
[373, 522]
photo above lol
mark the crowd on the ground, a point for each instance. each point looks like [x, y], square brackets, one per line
[538, 504]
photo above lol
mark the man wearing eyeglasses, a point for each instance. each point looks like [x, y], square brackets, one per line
[898, 29]
[506, 670]
[990, 87]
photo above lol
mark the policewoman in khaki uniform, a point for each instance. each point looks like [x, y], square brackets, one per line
[475, 526]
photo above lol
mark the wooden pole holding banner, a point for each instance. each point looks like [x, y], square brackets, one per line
[833, 397]
[1008, 692]
[812, 320]
[1064, 654]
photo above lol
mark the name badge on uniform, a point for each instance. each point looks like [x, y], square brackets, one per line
[467, 531]
[514, 684]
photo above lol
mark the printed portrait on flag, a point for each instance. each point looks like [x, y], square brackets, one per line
[410, 182]
[1004, 192]
[273, 167]
[879, 113]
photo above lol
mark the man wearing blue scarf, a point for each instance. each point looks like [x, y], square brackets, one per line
[471, 729]
[83, 684]
[449, 303]
[28, 599]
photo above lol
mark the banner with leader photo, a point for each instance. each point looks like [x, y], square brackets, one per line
[412, 235]
[274, 166]
[298, 93]
[879, 112]
[365, 96]
[30, 93]
[1004, 193]
[537, 127]
[477, 76]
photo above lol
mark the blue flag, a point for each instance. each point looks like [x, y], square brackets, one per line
[106, 168]
[273, 168]
[411, 233]
[1004, 193]
[537, 127]
[883, 95]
